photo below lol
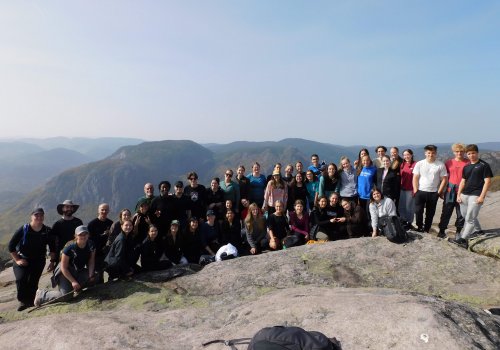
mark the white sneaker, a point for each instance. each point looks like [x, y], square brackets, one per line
[38, 297]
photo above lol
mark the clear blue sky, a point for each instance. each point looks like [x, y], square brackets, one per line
[343, 72]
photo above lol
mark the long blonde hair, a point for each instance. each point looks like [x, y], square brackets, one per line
[250, 219]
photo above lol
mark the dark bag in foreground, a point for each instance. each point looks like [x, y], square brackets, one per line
[291, 338]
[283, 338]
[392, 229]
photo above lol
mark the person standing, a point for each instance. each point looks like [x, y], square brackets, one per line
[149, 195]
[99, 229]
[28, 247]
[429, 182]
[406, 195]
[257, 185]
[315, 166]
[475, 183]
[198, 196]
[455, 168]
[381, 151]
[64, 228]
[161, 210]
[231, 189]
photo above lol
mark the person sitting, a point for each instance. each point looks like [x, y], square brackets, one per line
[122, 257]
[299, 222]
[174, 244]
[191, 241]
[380, 206]
[255, 225]
[325, 221]
[210, 235]
[151, 252]
[231, 231]
[354, 223]
[76, 269]
[277, 226]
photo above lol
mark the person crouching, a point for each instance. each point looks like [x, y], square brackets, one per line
[76, 269]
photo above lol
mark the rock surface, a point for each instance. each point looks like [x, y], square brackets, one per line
[368, 293]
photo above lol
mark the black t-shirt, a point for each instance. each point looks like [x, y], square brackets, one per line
[96, 229]
[64, 231]
[34, 244]
[165, 205]
[474, 175]
[197, 200]
[279, 225]
[78, 257]
[180, 206]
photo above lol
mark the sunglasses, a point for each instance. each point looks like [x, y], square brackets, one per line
[230, 175]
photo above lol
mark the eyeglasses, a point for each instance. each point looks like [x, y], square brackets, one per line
[192, 179]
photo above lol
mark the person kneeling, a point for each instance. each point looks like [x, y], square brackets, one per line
[76, 269]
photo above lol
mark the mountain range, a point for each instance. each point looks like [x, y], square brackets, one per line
[118, 179]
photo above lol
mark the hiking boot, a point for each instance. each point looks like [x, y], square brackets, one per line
[420, 229]
[38, 298]
[22, 306]
[442, 234]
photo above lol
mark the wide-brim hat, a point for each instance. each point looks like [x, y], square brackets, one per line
[67, 202]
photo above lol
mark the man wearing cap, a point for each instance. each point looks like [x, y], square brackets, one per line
[64, 228]
[210, 234]
[98, 234]
[28, 248]
[76, 269]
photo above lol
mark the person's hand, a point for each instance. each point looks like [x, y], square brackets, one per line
[459, 198]
[76, 286]
[480, 200]
[374, 233]
[441, 195]
[91, 279]
[273, 244]
[51, 266]
[342, 219]
[22, 262]
[158, 213]
[253, 251]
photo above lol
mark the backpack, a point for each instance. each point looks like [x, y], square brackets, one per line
[23, 241]
[284, 338]
[393, 229]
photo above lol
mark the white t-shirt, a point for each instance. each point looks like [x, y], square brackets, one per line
[430, 175]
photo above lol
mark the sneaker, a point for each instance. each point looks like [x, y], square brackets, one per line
[38, 298]
[22, 306]
[420, 229]
[442, 234]
[459, 241]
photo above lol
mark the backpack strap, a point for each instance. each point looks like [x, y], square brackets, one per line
[230, 342]
[25, 233]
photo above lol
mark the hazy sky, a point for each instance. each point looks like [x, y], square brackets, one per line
[343, 72]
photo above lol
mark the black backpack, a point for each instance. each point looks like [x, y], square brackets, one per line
[393, 229]
[284, 338]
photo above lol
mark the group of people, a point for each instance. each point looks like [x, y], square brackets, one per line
[251, 213]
